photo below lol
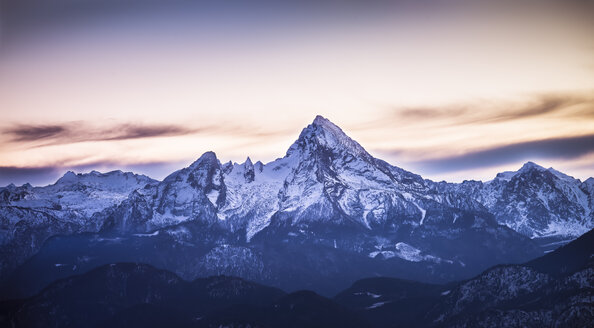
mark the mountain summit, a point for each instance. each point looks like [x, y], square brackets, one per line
[324, 135]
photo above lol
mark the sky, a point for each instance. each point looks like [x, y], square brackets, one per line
[451, 90]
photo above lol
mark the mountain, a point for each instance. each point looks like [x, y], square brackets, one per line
[536, 294]
[567, 259]
[324, 215]
[535, 201]
[127, 292]
[553, 290]
[30, 215]
[386, 302]
[132, 295]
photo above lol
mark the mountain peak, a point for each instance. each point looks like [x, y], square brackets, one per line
[248, 162]
[69, 176]
[248, 170]
[527, 167]
[323, 133]
[531, 165]
[207, 157]
[321, 120]
[325, 124]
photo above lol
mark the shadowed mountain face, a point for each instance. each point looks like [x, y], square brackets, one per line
[552, 291]
[323, 216]
[132, 293]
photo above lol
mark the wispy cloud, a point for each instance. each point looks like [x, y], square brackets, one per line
[485, 112]
[558, 148]
[74, 132]
[541, 105]
[131, 131]
[70, 132]
[35, 132]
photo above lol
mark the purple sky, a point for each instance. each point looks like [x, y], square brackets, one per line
[448, 89]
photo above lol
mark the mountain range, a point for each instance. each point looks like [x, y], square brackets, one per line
[324, 215]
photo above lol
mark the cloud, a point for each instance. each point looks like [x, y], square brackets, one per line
[557, 148]
[131, 131]
[489, 112]
[428, 113]
[545, 104]
[71, 132]
[74, 132]
[35, 132]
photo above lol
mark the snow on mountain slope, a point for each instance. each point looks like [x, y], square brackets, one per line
[324, 177]
[540, 202]
[252, 194]
[534, 201]
[335, 179]
[29, 215]
[189, 194]
[588, 188]
[83, 194]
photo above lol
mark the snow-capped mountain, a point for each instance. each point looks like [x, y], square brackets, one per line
[327, 212]
[328, 177]
[30, 215]
[535, 201]
[83, 194]
[325, 177]
[540, 202]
